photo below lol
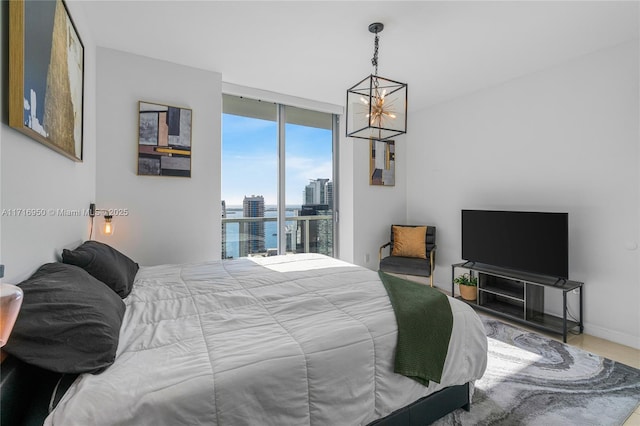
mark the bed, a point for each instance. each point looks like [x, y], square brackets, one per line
[282, 340]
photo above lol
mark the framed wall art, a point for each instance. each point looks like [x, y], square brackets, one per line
[46, 75]
[382, 163]
[164, 140]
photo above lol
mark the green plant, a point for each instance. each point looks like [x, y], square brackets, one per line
[466, 279]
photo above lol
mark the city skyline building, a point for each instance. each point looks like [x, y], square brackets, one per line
[252, 233]
[318, 191]
[320, 231]
[315, 236]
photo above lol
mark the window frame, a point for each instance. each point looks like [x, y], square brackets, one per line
[282, 102]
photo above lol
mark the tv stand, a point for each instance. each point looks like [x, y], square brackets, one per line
[519, 296]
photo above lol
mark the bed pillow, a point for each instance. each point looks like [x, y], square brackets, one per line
[69, 321]
[410, 241]
[105, 263]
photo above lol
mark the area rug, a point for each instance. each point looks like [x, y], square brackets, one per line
[533, 380]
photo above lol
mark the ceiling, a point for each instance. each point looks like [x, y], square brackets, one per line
[317, 49]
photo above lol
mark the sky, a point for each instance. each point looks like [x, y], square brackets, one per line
[250, 159]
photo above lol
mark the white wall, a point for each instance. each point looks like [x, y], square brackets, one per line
[171, 219]
[346, 196]
[564, 139]
[375, 208]
[33, 176]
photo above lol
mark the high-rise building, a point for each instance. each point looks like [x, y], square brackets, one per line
[317, 192]
[308, 193]
[320, 231]
[329, 195]
[318, 200]
[252, 233]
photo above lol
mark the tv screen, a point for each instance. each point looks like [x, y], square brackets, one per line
[531, 242]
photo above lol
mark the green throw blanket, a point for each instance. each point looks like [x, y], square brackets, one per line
[424, 322]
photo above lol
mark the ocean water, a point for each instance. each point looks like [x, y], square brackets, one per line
[270, 231]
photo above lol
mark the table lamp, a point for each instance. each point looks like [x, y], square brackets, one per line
[10, 302]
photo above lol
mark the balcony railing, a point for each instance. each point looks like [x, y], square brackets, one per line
[305, 234]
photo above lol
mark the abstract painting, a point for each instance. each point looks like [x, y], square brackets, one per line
[164, 140]
[46, 75]
[382, 163]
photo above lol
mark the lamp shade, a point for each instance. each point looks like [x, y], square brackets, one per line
[10, 302]
[376, 109]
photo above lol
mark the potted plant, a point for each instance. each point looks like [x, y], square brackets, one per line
[467, 285]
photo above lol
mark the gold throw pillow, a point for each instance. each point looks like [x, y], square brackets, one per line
[409, 241]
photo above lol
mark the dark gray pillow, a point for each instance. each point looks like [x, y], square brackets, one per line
[69, 321]
[106, 264]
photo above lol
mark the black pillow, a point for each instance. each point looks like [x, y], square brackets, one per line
[69, 321]
[106, 264]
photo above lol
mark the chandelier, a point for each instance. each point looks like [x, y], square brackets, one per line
[376, 106]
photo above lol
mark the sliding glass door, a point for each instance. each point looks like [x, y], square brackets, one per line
[309, 180]
[277, 179]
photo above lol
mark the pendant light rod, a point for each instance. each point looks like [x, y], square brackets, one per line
[375, 28]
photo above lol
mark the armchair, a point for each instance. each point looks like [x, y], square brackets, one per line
[409, 252]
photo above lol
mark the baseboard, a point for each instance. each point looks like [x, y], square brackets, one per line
[612, 335]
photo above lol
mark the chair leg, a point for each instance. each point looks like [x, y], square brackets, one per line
[431, 280]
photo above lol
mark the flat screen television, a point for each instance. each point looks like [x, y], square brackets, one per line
[533, 242]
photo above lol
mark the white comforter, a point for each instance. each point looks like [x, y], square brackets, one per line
[285, 340]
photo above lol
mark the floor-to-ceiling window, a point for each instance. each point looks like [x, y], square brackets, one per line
[278, 180]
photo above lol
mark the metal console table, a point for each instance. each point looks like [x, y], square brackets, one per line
[519, 296]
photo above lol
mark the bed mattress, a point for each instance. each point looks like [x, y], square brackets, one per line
[286, 340]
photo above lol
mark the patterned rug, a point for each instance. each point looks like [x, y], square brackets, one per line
[534, 380]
